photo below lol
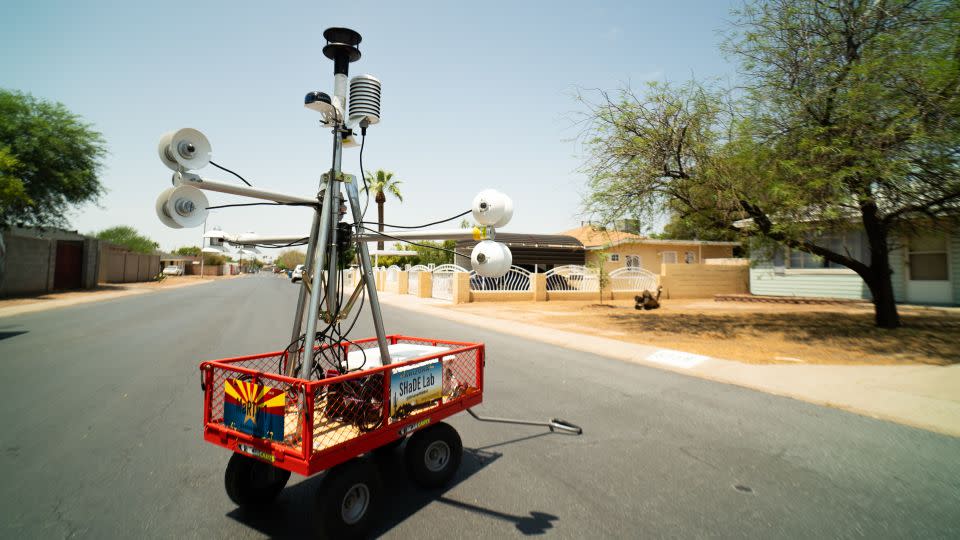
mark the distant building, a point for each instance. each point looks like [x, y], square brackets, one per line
[621, 249]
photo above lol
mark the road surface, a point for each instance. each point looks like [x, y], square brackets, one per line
[101, 438]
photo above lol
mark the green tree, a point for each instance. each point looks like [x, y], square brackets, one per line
[129, 238]
[290, 258]
[188, 251]
[848, 121]
[49, 160]
[382, 182]
[214, 259]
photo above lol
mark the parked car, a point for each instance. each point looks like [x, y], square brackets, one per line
[173, 270]
[297, 274]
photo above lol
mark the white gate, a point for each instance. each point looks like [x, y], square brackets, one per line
[633, 279]
[517, 279]
[573, 277]
[443, 276]
[393, 277]
[413, 279]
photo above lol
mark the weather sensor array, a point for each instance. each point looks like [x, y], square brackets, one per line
[324, 401]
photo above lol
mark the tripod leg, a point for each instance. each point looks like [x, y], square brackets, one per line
[354, 195]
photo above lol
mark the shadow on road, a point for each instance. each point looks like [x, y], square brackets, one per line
[5, 335]
[292, 515]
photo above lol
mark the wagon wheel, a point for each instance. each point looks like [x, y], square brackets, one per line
[433, 455]
[250, 481]
[349, 500]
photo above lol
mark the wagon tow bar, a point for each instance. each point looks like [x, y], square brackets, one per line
[555, 424]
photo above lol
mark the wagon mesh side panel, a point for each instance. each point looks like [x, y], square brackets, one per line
[347, 409]
[460, 374]
[270, 365]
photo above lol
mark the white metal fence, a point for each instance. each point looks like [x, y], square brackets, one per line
[413, 278]
[443, 277]
[516, 279]
[633, 279]
[573, 277]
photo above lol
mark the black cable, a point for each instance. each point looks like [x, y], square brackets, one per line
[414, 243]
[301, 242]
[418, 226]
[222, 168]
[366, 187]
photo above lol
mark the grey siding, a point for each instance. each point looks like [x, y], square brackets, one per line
[763, 281]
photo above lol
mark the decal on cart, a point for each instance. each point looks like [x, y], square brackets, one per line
[256, 452]
[254, 409]
[415, 386]
[413, 427]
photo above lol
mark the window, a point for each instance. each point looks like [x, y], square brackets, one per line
[689, 257]
[614, 257]
[849, 244]
[669, 257]
[928, 258]
[633, 261]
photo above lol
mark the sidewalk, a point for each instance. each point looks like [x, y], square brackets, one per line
[18, 306]
[923, 396]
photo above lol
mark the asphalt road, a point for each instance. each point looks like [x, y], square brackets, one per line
[101, 438]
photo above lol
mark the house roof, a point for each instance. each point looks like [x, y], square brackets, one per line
[596, 239]
[591, 237]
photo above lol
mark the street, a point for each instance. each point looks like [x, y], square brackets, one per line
[102, 407]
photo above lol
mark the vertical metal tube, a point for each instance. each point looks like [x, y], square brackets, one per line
[326, 216]
[302, 296]
[354, 196]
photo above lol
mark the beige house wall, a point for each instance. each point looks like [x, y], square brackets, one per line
[651, 254]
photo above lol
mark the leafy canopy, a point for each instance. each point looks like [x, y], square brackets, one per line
[49, 160]
[129, 238]
[188, 251]
[381, 182]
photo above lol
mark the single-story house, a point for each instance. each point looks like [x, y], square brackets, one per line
[926, 270]
[626, 249]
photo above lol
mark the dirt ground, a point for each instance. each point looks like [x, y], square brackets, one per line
[171, 282]
[756, 333]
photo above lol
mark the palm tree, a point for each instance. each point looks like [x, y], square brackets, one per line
[382, 182]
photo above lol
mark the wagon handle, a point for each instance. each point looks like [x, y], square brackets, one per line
[555, 424]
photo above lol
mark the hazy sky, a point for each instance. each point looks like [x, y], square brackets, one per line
[475, 94]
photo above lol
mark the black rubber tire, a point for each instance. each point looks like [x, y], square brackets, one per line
[423, 448]
[251, 482]
[337, 483]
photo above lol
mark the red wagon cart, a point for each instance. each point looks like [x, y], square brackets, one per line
[276, 424]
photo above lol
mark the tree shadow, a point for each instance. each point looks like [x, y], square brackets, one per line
[932, 334]
[292, 515]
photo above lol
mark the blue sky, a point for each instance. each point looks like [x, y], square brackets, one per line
[475, 94]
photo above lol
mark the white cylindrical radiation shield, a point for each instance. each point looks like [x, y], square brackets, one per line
[491, 259]
[187, 148]
[182, 206]
[492, 208]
